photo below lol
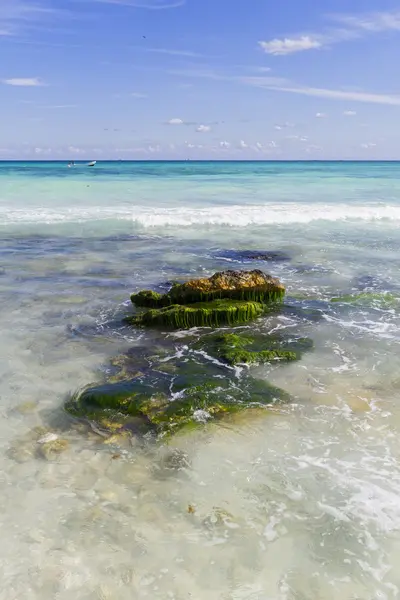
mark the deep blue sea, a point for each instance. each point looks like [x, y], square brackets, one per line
[299, 502]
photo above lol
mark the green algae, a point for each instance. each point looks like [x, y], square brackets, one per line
[261, 295]
[236, 349]
[207, 314]
[373, 299]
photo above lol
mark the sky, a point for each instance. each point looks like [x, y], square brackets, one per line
[199, 79]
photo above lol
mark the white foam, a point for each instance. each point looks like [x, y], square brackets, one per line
[231, 216]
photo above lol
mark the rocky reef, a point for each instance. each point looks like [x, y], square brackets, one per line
[163, 388]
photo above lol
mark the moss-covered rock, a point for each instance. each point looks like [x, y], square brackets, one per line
[254, 286]
[202, 314]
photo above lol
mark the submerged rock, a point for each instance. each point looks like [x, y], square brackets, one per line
[227, 297]
[52, 448]
[248, 255]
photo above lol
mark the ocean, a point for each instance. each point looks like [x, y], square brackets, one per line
[299, 501]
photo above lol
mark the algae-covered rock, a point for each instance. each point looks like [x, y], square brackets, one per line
[234, 350]
[253, 285]
[202, 314]
[148, 298]
[241, 348]
[115, 406]
[115, 411]
[226, 298]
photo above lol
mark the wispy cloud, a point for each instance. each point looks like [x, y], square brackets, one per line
[349, 113]
[320, 115]
[373, 21]
[284, 126]
[368, 145]
[173, 52]
[279, 84]
[148, 4]
[390, 99]
[278, 47]
[59, 106]
[16, 16]
[23, 82]
[138, 95]
[351, 27]
[175, 122]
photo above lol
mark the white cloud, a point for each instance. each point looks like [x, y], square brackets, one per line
[368, 145]
[290, 45]
[243, 145]
[349, 113]
[154, 149]
[224, 145]
[352, 27]
[42, 150]
[321, 115]
[175, 122]
[272, 144]
[23, 82]
[284, 126]
[75, 150]
[138, 95]
[203, 129]
[258, 146]
[314, 41]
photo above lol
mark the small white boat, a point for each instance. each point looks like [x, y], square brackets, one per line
[91, 164]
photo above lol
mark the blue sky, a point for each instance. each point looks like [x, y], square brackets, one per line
[218, 79]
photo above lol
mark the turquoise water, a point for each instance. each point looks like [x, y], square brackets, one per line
[300, 502]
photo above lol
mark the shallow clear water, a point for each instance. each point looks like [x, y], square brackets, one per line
[294, 502]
